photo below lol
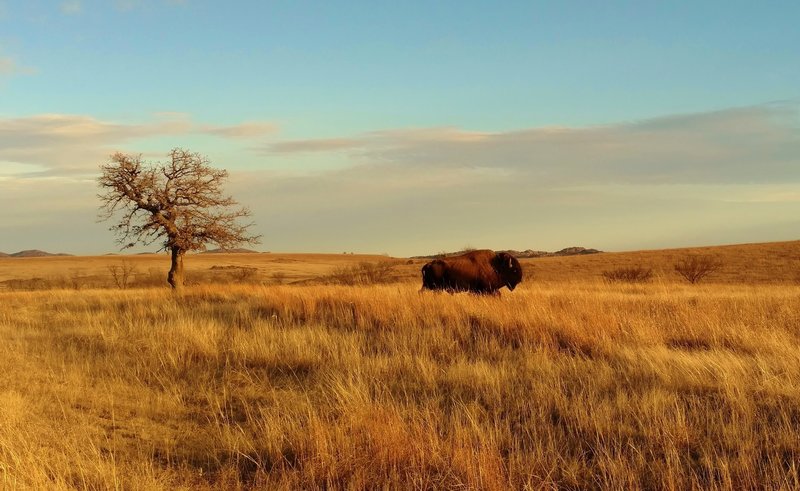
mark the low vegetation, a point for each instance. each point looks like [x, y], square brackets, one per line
[364, 273]
[633, 274]
[695, 268]
[123, 273]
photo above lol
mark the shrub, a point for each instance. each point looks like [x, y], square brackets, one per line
[634, 274]
[228, 274]
[362, 274]
[122, 273]
[245, 274]
[695, 268]
[279, 277]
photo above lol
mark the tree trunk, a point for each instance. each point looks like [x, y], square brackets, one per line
[175, 275]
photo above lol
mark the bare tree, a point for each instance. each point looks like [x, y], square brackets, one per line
[695, 268]
[122, 273]
[179, 202]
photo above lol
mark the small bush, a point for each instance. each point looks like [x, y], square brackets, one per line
[695, 268]
[363, 274]
[122, 273]
[227, 274]
[245, 274]
[634, 274]
[29, 284]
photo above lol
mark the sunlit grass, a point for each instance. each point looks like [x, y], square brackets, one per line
[578, 384]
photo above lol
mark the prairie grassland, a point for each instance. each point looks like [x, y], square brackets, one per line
[556, 385]
[150, 270]
[771, 262]
[767, 263]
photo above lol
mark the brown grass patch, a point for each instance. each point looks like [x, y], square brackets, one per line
[578, 385]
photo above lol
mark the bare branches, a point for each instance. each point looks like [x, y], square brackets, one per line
[695, 268]
[122, 273]
[180, 202]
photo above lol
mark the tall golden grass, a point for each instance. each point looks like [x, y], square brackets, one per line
[768, 263]
[575, 384]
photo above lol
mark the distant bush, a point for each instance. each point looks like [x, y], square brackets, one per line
[245, 274]
[73, 281]
[122, 273]
[363, 274]
[634, 274]
[695, 268]
[223, 275]
[29, 284]
[279, 277]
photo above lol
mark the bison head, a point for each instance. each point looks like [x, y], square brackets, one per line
[509, 269]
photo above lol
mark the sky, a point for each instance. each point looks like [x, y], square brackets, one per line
[410, 128]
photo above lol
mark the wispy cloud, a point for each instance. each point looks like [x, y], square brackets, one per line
[682, 179]
[71, 7]
[130, 5]
[7, 65]
[676, 179]
[243, 130]
[315, 145]
[760, 143]
[10, 67]
[127, 5]
[66, 144]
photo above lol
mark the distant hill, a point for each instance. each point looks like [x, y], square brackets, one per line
[34, 253]
[230, 251]
[3, 254]
[568, 251]
[528, 253]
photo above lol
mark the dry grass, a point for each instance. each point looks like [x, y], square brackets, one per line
[150, 270]
[568, 382]
[774, 262]
[556, 385]
[769, 263]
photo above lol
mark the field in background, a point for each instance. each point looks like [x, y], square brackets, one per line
[566, 382]
[777, 262]
[150, 270]
[773, 262]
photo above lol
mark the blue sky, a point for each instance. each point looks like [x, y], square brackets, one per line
[411, 127]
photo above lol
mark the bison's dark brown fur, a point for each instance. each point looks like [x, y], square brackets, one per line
[481, 271]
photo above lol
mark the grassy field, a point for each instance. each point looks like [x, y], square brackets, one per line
[150, 270]
[770, 263]
[776, 262]
[567, 382]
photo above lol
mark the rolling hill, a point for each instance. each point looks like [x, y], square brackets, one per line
[33, 253]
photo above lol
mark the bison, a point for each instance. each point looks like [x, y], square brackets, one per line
[482, 271]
